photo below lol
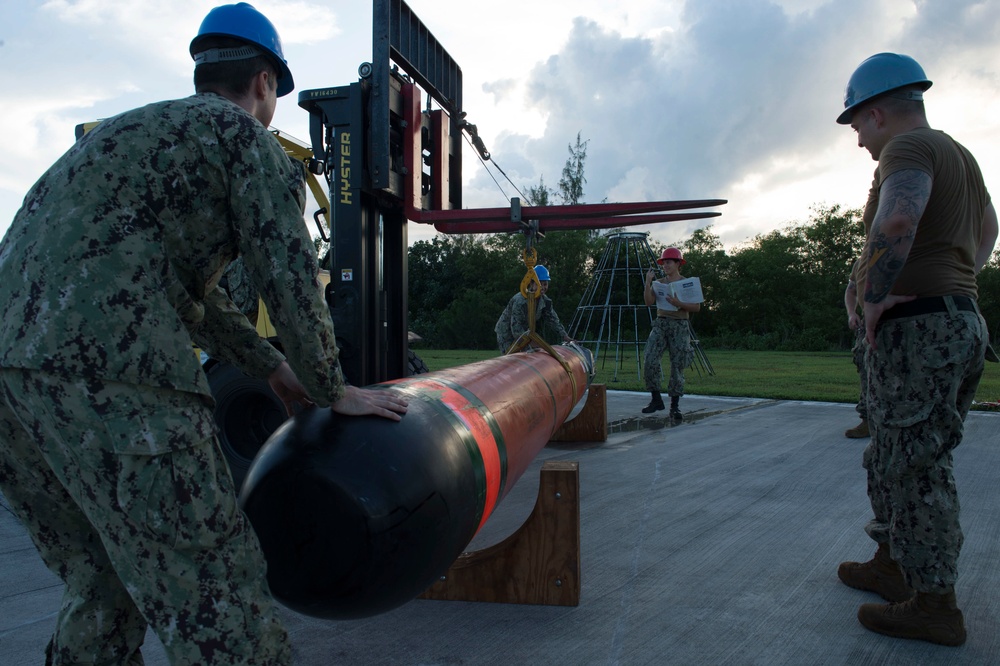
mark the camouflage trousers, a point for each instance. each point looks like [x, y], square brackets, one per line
[673, 336]
[126, 496]
[858, 355]
[922, 380]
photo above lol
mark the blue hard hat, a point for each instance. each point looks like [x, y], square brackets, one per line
[879, 74]
[542, 272]
[244, 22]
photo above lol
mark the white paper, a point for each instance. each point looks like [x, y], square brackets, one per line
[686, 290]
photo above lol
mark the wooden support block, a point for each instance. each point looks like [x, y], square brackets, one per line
[591, 424]
[538, 564]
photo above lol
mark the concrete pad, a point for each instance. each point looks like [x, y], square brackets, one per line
[711, 542]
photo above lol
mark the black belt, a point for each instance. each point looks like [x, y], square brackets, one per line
[929, 305]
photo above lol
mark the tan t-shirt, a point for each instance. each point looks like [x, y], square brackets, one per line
[942, 259]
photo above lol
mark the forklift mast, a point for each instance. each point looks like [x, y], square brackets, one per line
[388, 161]
[381, 156]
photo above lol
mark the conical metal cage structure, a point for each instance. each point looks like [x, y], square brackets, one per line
[612, 318]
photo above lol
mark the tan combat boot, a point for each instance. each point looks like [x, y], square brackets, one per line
[926, 617]
[881, 574]
[859, 431]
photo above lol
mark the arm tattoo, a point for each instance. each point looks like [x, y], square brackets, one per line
[902, 200]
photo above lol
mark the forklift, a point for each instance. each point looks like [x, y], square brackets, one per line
[388, 159]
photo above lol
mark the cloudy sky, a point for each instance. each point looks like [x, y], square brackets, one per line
[678, 99]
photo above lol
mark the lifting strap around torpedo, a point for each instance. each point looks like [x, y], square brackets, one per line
[530, 256]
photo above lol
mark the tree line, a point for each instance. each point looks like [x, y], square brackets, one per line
[779, 291]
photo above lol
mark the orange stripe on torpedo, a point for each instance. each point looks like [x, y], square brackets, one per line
[471, 414]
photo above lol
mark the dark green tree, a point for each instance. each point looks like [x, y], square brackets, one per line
[761, 299]
[457, 290]
[988, 282]
[706, 259]
[570, 255]
[539, 195]
[784, 290]
[572, 181]
[835, 239]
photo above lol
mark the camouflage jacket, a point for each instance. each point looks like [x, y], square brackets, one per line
[514, 320]
[111, 267]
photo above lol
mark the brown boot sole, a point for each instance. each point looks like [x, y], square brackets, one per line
[940, 632]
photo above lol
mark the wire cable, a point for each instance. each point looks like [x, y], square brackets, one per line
[498, 168]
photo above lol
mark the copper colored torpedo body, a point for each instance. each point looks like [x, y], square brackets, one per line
[358, 515]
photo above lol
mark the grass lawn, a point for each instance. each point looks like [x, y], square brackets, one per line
[824, 377]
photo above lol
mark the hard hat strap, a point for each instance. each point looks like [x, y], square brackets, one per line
[221, 55]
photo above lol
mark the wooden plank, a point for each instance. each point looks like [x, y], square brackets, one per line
[591, 424]
[538, 564]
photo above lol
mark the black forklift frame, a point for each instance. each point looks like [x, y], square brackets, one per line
[387, 162]
[356, 133]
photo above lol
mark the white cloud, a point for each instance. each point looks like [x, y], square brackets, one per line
[633, 186]
[727, 99]
[737, 102]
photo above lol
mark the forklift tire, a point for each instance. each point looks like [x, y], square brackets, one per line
[415, 365]
[246, 412]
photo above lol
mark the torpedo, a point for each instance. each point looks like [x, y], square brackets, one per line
[359, 515]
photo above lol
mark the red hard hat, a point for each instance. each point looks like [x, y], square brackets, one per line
[671, 253]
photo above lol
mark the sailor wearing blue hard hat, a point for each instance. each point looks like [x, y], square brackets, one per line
[931, 228]
[244, 23]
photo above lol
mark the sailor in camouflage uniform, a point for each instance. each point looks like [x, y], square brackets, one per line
[108, 274]
[858, 351]
[857, 325]
[671, 333]
[513, 320]
[239, 287]
[933, 229]
[856, 322]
